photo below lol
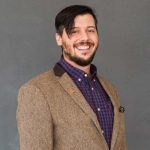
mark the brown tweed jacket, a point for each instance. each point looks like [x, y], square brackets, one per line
[52, 114]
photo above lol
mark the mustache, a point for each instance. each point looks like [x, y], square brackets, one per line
[90, 43]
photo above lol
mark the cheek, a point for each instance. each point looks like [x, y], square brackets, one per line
[68, 47]
[68, 42]
[96, 38]
[96, 41]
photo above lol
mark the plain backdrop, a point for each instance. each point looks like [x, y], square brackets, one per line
[28, 47]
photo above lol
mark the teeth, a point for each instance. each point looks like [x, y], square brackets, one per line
[83, 47]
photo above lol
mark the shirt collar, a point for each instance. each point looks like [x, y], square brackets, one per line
[77, 73]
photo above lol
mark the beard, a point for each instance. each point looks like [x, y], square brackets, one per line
[80, 61]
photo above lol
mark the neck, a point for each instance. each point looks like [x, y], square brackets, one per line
[86, 69]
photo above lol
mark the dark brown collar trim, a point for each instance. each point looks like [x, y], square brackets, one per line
[58, 70]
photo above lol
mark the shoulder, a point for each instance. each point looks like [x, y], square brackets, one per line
[41, 78]
[110, 90]
[106, 82]
[40, 81]
[108, 86]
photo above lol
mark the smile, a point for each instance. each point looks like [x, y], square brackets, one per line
[83, 45]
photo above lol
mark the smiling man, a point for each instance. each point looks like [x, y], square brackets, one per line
[71, 107]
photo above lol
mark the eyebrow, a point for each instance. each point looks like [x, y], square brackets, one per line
[91, 26]
[87, 27]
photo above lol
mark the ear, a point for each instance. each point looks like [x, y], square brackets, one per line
[58, 39]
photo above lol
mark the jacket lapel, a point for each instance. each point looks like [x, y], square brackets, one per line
[113, 99]
[77, 96]
[70, 87]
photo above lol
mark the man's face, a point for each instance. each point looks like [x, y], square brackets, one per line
[79, 47]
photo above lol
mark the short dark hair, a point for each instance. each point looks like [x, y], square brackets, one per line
[65, 18]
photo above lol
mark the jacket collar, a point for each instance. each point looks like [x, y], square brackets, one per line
[58, 70]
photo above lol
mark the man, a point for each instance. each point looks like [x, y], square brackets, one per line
[71, 107]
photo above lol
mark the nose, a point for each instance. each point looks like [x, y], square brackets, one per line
[84, 35]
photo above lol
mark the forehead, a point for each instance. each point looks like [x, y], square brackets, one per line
[84, 20]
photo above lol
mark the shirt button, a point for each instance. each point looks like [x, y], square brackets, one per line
[98, 109]
[92, 88]
[79, 80]
[102, 131]
[94, 80]
[85, 75]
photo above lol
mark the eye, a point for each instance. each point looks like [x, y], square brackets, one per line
[91, 30]
[74, 31]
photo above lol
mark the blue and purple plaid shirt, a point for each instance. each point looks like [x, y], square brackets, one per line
[95, 95]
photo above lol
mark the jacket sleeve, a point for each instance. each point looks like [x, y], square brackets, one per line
[34, 120]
